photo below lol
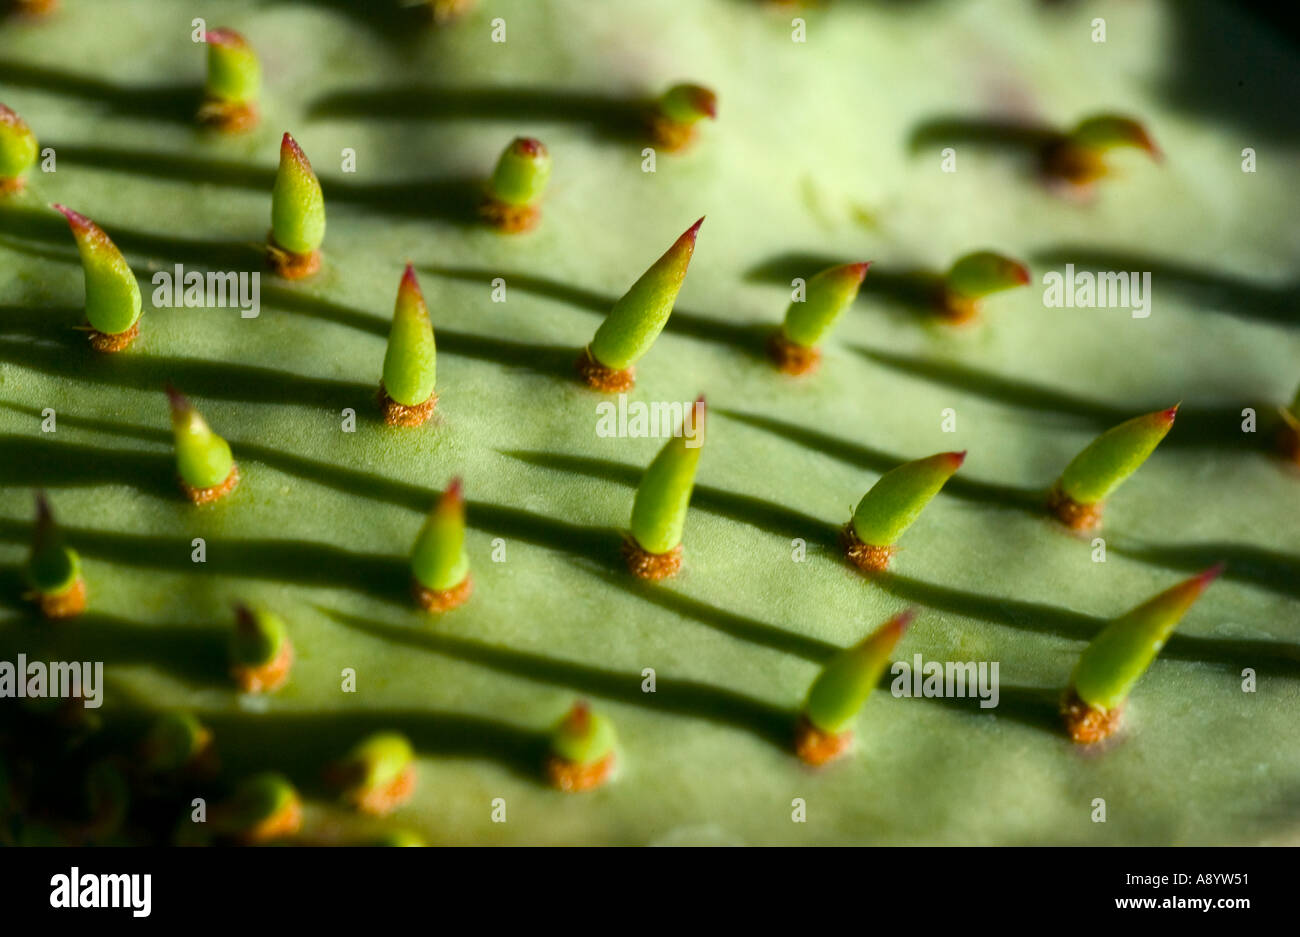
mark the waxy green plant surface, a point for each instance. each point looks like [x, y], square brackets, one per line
[820, 155]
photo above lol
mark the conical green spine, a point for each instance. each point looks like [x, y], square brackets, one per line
[899, 496]
[664, 495]
[848, 679]
[411, 358]
[583, 736]
[258, 637]
[203, 459]
[640, 315]
[1113, 456]
[234, 73]
[18, 147]
[113, 302]
[439, 560]
[522, 172]
[1115, 659]
[827, 295]
[297, 204]
[53, 568]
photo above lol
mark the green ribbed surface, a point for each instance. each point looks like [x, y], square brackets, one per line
[810, 157]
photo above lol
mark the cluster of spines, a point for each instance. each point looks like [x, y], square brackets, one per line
[582, 751]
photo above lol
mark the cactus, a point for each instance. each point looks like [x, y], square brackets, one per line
[344, 532]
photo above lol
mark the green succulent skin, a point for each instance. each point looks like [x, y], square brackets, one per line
[521, 173]
[411, 358]
[18, 147]
[438, 559]
[1023, 345]
[297, 204]
[827, 295]
[257, 638]
[113, 302]
[664, 495]
[234, 73]
[583, 736]
[898, 497]
[639, 316]
[1116, 659]
[1113, 456]
[843, 686]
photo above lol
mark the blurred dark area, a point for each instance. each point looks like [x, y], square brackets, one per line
[1225, 68]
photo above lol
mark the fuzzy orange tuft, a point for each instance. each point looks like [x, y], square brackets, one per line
[509, 219]
[1071, 513]
[285, 822]
[865, 556]
[607, 380]
[1086, 724]
[386, 799]
[268, 677]
[815, 747]
[287, 264]
[442, 600]
[653, 566]
[792, 358]
[399, 414]
[214, 492]
[669, 135]
[228, 116]
[573, 778]
[66, 604]
[118, 341]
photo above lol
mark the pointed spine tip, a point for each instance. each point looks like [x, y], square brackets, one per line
[43, 513]
[409, 281]
[76, 219]
[579, 716]
[1208, 576]
[530, 146]
[687, 240]
[859, 270]
[454, 495]
[956, 458]
[1169, 415]
[699, 411]
[1023, 275]
[705, 101]
[178, 401]
[1148, 143]
[222, 36]
[289, 148]
[903, 620]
